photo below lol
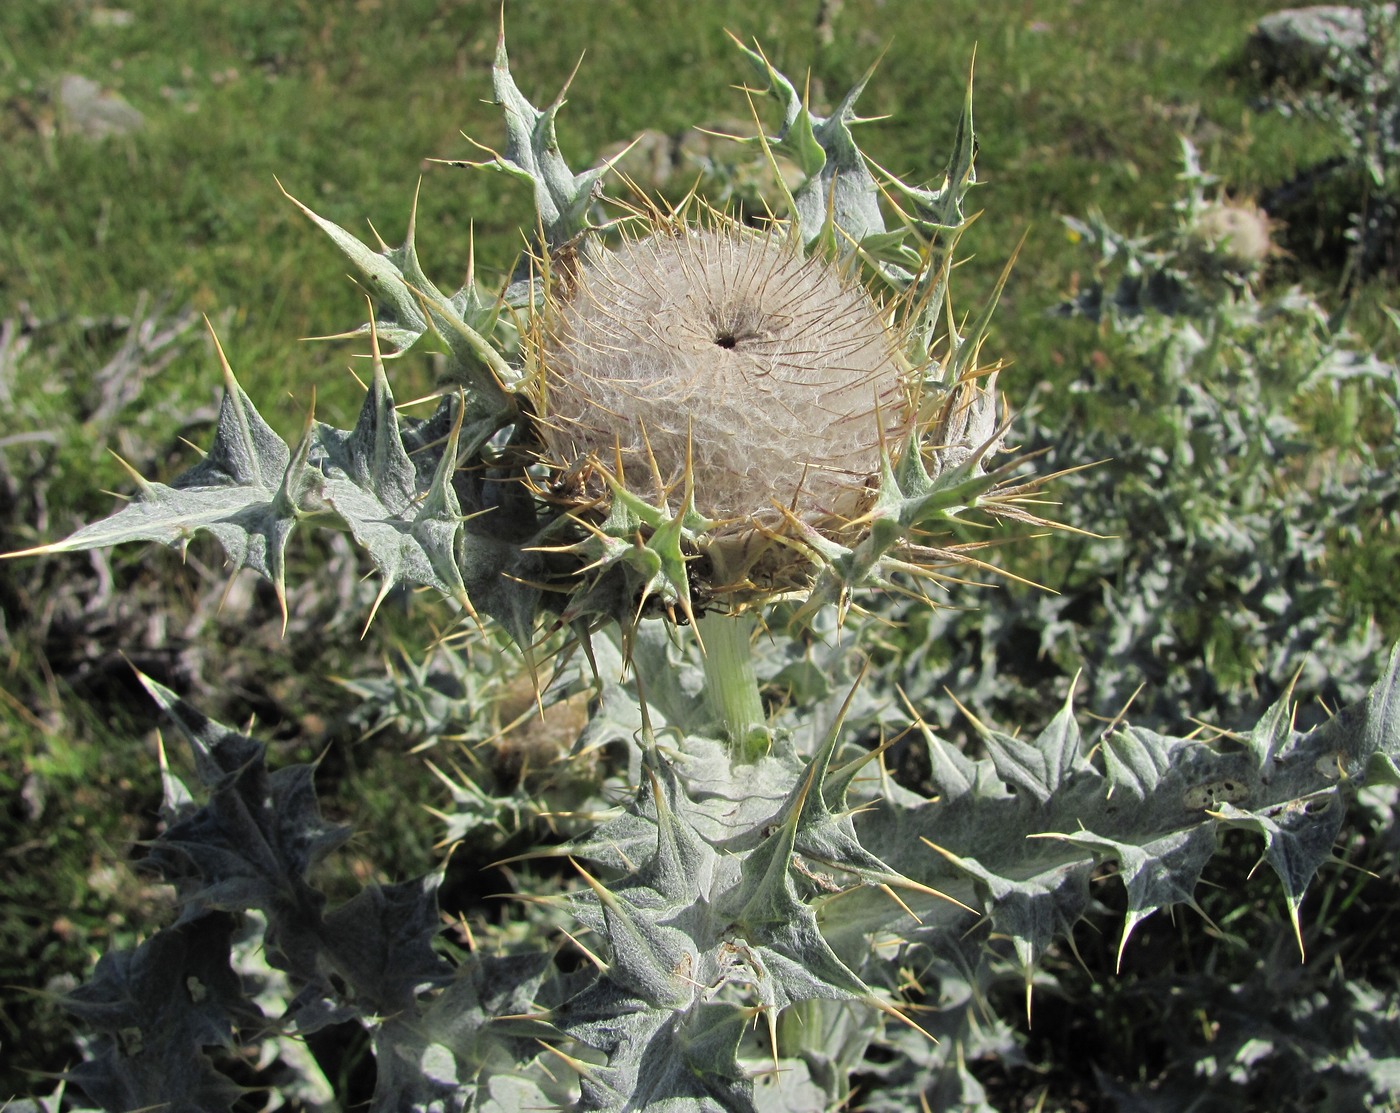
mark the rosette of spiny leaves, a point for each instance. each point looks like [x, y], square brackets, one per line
[665, 411]
[758, 925]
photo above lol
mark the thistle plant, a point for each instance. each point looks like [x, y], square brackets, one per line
[701, 417]
[1347, 205]
[1220, 390]
[671, 418]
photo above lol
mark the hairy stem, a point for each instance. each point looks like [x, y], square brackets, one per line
[731, 688]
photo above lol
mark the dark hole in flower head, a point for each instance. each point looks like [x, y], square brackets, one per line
[726, 340]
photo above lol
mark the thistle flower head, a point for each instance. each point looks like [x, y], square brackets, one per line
[723, 378]
[1238, 234]
[752, 410]
[725, 361]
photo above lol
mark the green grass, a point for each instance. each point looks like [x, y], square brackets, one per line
[342, 102]
[1079, 107]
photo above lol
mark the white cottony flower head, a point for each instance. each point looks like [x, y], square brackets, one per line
[770, 375]
[1238, 234]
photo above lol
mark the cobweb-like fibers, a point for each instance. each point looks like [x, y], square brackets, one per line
[780, 371]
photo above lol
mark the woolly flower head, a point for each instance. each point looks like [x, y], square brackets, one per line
[723, 361]
[1238, 235]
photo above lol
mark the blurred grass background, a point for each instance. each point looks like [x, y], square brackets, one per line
[1078, 104]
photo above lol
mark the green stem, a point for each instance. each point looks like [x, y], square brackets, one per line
[731, 687]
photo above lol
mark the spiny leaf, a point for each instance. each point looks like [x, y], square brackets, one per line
[394, 485]
[1298, 839]
[839, 192]
[157, 1008]
[409, 305]
[1155, 807]
[255, 840]
[562, 198]
[381, 943]
[235, 492]
[1043, 766]
[1156, 874]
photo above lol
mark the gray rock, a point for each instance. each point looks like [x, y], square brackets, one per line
[111, 17]
[1295, 45]
[85, 109]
